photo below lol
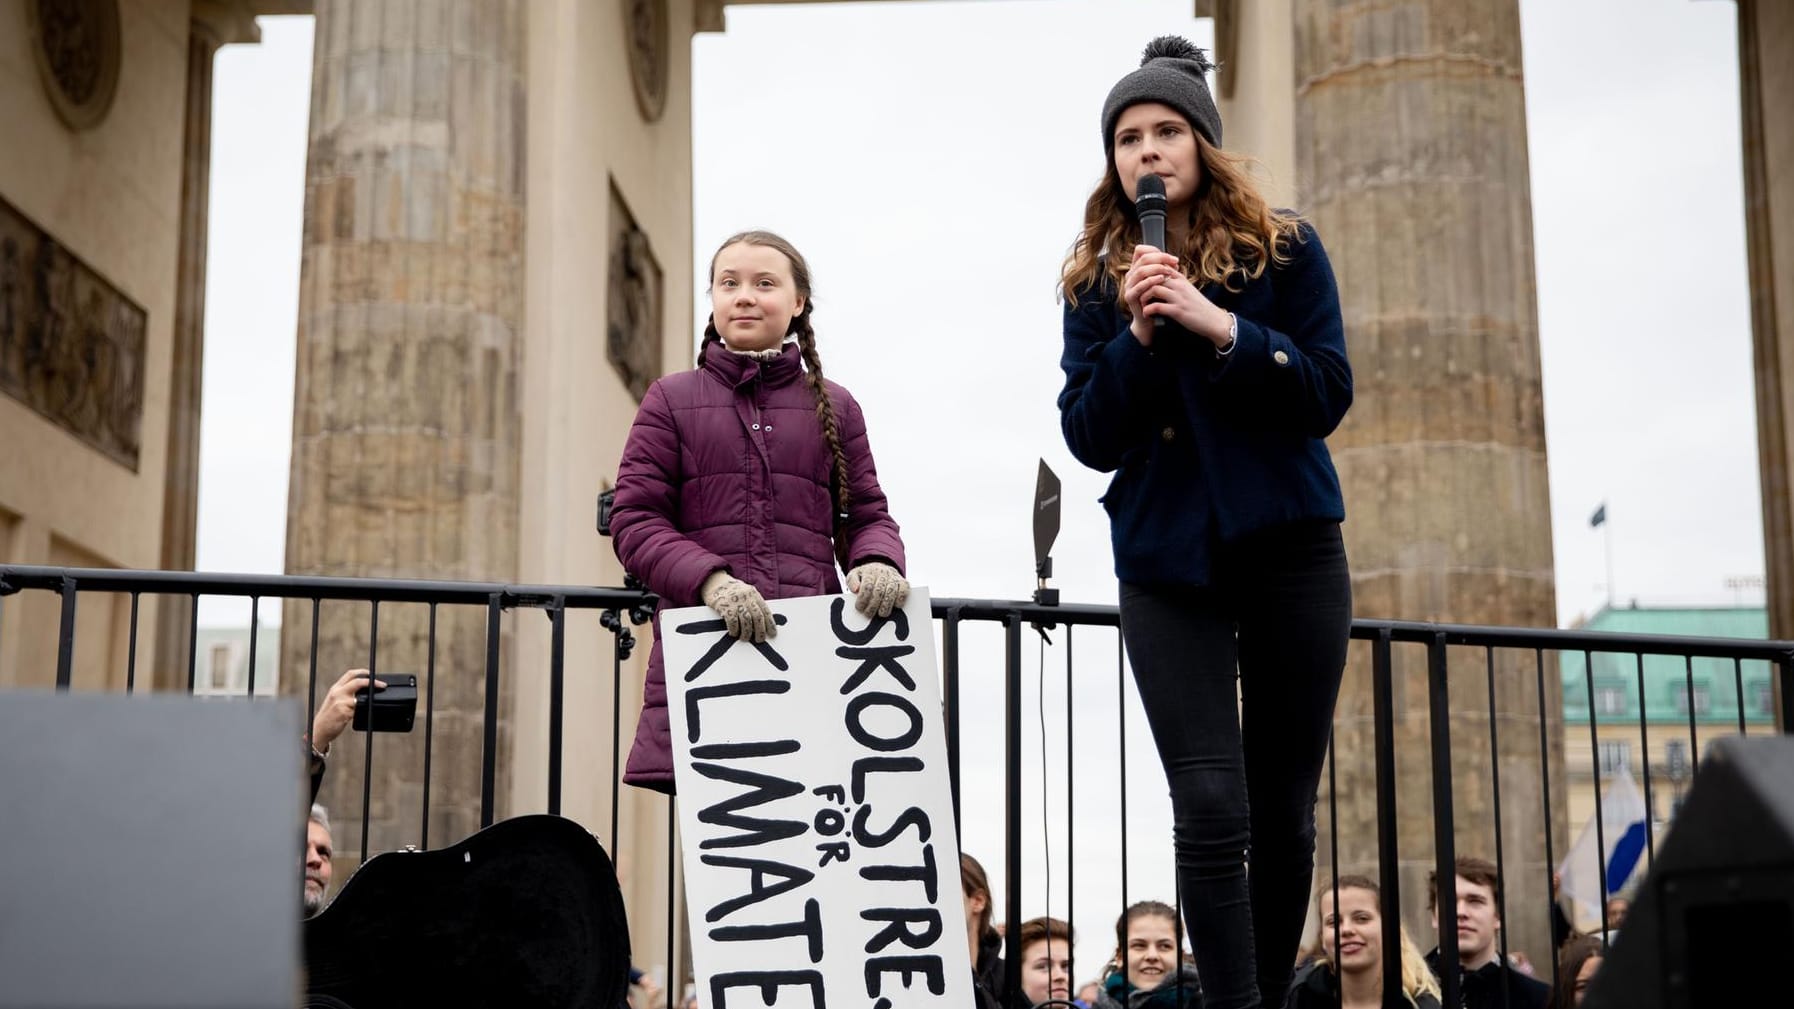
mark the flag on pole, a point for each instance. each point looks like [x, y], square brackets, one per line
[1623, 831]
[1600, 516]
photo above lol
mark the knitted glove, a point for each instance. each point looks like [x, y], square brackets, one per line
[878, 587]
[741, 606]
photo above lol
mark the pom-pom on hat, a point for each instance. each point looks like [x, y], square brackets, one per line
[1172, 72]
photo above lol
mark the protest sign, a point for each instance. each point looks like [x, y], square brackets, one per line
[820, 863]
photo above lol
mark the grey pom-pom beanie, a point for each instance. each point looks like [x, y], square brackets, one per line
[1172, 72]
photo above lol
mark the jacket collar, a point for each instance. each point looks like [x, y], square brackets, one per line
[990, 952]
[1490, 972]
[1120, 989]
[737, 370]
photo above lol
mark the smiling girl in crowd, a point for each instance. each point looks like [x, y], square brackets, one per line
[1149, 969]
[1349, 974]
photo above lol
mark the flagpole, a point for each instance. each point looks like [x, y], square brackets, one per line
[1607, 538]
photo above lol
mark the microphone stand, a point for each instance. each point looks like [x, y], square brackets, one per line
[1046, 530]
[1044, 596]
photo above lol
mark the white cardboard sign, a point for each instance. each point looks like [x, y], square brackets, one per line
[817, 818]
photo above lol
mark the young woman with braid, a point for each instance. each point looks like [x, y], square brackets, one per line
[1206, 376]
[749, 477]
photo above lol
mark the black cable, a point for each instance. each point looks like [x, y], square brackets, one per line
[1046, 834]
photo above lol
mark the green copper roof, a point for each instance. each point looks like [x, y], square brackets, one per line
[1718, 683]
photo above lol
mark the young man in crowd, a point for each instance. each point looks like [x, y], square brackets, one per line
[1484, 981]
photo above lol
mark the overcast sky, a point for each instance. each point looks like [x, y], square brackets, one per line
[931, 159]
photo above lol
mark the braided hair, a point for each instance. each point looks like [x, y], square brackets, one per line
[806, 343]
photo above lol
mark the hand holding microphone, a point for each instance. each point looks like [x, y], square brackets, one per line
[1156, 278]
[1150, 268]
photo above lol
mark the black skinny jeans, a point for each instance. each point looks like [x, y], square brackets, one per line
[1278, 611]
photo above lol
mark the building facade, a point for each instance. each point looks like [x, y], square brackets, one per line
[1658, 734]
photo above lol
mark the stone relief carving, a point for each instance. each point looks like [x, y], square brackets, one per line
[76, 43]
[632, 337]
[645, 33]
[71, 344]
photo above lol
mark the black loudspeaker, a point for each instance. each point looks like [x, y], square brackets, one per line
[1713, 922]
[150, 851]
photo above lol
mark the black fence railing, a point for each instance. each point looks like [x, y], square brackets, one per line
[1412, 668]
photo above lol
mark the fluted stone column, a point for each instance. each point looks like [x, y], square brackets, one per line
[1766, 87]
[406, 421]
[180, 491]
[1411, 152]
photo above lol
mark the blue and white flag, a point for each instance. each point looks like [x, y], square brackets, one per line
[1620, 844]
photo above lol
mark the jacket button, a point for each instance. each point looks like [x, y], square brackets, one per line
[1280, 357]
[757, 427]
[1168, 434]
[769, 429]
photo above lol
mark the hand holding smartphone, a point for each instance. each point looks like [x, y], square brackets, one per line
[393, 707]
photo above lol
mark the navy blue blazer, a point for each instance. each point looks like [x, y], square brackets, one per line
[1206, 449]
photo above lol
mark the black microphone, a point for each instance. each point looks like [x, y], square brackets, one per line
[1149, 206]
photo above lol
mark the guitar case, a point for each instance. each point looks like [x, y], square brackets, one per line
[525, 914]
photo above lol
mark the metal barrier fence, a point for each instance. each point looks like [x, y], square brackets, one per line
[619, 609]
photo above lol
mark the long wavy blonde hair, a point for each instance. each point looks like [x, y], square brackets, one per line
[1417, 980]
[1233, 235]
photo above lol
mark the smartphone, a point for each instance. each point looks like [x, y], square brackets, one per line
[394, 706]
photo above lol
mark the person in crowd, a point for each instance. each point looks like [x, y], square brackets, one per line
[318, 851]
[750, 477]
[1617, 907]
[334, 715]
[983, 943]
[1484, 980]
[1349, 971]
[1046, 961]
[1576, 968]
[644, 991]
[1205, 376]
[1148, 970]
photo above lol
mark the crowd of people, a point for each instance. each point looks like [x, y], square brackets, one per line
[1342, 965]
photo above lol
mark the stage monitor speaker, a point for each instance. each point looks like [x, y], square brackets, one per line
[150, 854]
[1714, 916]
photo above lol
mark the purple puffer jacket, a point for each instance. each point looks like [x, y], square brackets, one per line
[726, 468]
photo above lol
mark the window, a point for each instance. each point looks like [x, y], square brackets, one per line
[219, 666]
[1703, 698]
[1762, 699]
[1610, 699]
[1675, 758]
[1615, 755]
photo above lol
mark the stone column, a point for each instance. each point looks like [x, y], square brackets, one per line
[1766, 91]
[406, 433]
[1411, 152]
[1257, 101]
[180, 495]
